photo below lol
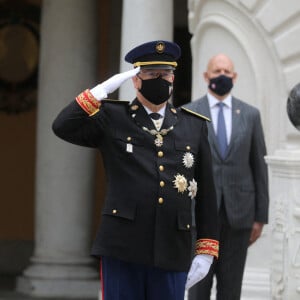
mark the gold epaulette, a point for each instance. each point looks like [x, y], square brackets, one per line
[195, 114]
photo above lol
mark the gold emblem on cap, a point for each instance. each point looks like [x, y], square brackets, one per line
[160, 47]
[134, 107]
[173, 110]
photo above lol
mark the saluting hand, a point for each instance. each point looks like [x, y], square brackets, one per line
[101, 90]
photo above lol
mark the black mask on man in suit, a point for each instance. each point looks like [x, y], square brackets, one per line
[221, 85]
[157, 90]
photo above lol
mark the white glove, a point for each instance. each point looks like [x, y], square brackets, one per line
[199, 269]
[101, 90]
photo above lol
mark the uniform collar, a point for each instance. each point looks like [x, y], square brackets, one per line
[140, 115]
[162, 111]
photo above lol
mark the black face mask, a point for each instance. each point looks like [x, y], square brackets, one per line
[221, 85]
[157, 90]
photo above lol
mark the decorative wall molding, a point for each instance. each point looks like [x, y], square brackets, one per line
[285, 216]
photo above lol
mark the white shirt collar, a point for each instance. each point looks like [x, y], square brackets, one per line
[213, 101]
[162, 111]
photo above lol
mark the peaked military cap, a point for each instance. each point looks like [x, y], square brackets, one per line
[155, 55]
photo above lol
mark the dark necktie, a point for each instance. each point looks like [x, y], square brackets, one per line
[221, 131]
[155, 116]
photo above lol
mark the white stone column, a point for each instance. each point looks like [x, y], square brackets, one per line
[285, 222]
[143, 21]
[65, 179]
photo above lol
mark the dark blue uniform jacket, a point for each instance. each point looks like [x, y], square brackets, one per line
[146, 219]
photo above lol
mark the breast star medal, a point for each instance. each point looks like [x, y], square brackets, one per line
[180, 183]
[188, 160]
[193, 188]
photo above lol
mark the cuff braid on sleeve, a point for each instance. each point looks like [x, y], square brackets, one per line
[207, 246]
[88, 102]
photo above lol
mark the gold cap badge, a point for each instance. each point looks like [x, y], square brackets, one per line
[160, 47]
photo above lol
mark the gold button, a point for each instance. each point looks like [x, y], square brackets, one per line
[188, 226]
[161, 168]
[160, 200]
[188, 148]
[114, 211]
[162, 184]
[160, 154]
[129, 138]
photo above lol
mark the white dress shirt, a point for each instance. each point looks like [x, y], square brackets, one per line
[227, 111]
[157, 123]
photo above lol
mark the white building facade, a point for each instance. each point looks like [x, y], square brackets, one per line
[262, 37]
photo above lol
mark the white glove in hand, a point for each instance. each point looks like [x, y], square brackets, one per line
[199, 269]
[101, 90]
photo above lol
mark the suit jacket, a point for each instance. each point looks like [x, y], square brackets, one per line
[241, 178]
[147, 219]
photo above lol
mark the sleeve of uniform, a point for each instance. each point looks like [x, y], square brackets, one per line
[206, 214]
[259, 171]
[77, 124]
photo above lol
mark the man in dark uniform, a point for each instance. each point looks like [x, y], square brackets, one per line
[155, 166]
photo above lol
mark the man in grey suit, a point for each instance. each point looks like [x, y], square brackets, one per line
[238, 148]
